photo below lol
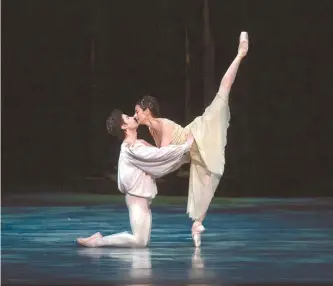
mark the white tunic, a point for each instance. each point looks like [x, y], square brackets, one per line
[139, 165]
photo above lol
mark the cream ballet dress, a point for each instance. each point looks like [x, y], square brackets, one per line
[207, 152]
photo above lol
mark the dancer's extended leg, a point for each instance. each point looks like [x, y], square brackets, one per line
[229, 77]
[202, 190]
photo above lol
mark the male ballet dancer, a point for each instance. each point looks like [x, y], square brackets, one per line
[138, 166]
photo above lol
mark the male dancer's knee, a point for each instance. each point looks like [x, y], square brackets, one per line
[142, 243]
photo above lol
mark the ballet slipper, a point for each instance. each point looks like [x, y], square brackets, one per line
[243, 44]
[84, 240]
[87, 243]
[197, 229]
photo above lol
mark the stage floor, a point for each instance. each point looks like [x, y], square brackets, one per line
[247, 241]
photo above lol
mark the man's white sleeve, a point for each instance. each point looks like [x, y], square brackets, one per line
[158, 161]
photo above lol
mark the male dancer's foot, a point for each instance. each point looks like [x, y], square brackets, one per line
[88, 241]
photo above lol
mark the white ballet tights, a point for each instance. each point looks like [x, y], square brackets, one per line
[140, 219]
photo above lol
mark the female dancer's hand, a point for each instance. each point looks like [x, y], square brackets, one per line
[190, 139]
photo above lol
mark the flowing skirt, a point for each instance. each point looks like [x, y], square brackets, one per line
[207, 154]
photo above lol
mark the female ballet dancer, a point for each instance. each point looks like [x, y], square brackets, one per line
[210, 135]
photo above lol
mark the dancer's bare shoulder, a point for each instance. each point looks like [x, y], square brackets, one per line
[161, 130]
[167, 128]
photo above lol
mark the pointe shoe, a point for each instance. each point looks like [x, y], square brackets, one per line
[197, 229]
[196, 239]
[243, 44]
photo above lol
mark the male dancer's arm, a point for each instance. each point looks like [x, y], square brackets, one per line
[159, 161]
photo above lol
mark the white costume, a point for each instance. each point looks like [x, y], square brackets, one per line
[138, 167]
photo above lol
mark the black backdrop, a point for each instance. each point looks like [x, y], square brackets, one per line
[66, 64]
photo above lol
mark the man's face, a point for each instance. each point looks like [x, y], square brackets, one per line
[129, 122]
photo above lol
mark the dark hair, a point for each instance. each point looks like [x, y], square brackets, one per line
[114, 122]
[151, 103]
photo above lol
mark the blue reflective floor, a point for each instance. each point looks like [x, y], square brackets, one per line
[258, 241]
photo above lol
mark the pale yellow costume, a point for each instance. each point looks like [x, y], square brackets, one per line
[207, 152]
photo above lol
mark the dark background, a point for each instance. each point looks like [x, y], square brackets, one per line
[67, 64]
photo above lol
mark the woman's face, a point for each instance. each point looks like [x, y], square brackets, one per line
[141, 116]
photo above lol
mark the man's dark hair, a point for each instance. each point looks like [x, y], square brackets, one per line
[114, 122]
